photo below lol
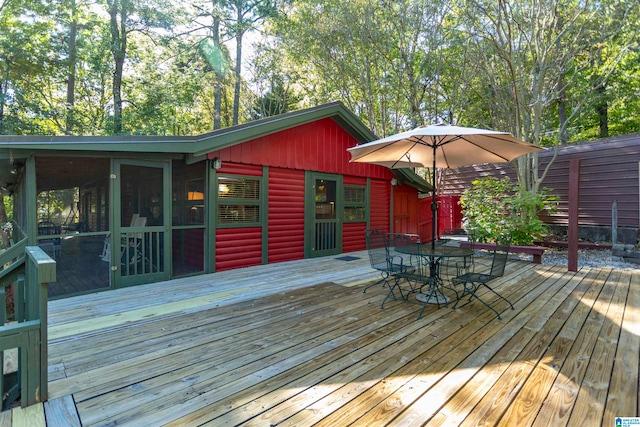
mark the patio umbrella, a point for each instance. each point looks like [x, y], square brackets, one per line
[442, 146]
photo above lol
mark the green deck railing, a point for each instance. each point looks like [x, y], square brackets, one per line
[25, 272]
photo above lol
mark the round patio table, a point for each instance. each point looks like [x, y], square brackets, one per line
[434, 256]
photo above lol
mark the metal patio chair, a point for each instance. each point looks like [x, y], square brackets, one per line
[413, 284]
[467, 265]
[472, 281]
[47, 228]
[380, 257]
[397, 240]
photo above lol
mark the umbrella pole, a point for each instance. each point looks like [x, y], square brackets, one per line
[434, 216]
[434, 204]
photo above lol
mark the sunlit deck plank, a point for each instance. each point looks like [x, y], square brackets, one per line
[622, 400]
[492, 407]
[390, 394]
[558, 405]
[511, 338]
[525, 407]
[594, 387]
[468, 396]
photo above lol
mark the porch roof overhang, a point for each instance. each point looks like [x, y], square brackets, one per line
[15, 148]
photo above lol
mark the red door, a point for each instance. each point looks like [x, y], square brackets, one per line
[405, 210]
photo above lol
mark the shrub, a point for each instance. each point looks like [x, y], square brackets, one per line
[497, 208]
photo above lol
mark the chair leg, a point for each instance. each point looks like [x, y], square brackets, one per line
[385, 279]
[451, 288]
[391, 294]
[471, 288]
[498, 295]
[432, 293]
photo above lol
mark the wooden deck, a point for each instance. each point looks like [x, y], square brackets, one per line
[299, 344]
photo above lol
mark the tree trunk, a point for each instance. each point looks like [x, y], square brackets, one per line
[217, 85]
[602, 109]
[118, 49]
[562, 112]
[236, 90]
[2, 102]
[71, 80]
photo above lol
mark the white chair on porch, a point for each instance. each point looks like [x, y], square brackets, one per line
[136, 221]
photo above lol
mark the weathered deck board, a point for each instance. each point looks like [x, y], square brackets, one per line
[61, 412]
[300, 344]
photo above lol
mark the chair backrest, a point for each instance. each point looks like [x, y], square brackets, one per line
[500, 255]
[47, 228]
[399, 239]
[410, 258]
[140, 221]
[377, 248]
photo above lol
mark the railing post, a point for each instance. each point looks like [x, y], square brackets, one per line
[40, 270]
[573, 214]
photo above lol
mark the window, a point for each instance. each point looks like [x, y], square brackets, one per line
[238, 200]
[355, 203]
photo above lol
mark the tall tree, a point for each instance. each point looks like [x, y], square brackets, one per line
[126, 17]
[246, 14]
[273, 83]
[532, 54]
[26, 64]
[211, 18]
[72, 63]
[388, 61]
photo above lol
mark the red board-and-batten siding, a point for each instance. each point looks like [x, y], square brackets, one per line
[609, 172]
[319, 146]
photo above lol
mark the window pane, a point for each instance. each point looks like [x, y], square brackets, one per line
[232, 214]
[354, 214]
[326, 199]
[238, 188]
[354, 194]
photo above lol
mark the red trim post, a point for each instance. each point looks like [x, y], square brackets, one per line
[574, 204]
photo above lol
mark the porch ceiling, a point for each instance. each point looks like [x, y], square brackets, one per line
[57, 173]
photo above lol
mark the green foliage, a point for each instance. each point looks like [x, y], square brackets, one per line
[51, 204]
[497, 208]
[397, 64]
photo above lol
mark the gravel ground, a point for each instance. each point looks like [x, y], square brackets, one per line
[588, 258]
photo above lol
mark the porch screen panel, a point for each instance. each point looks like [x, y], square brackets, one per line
[72, 209]
[188, 235]
[142, 232]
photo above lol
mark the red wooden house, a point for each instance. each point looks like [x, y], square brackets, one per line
[152, 208]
